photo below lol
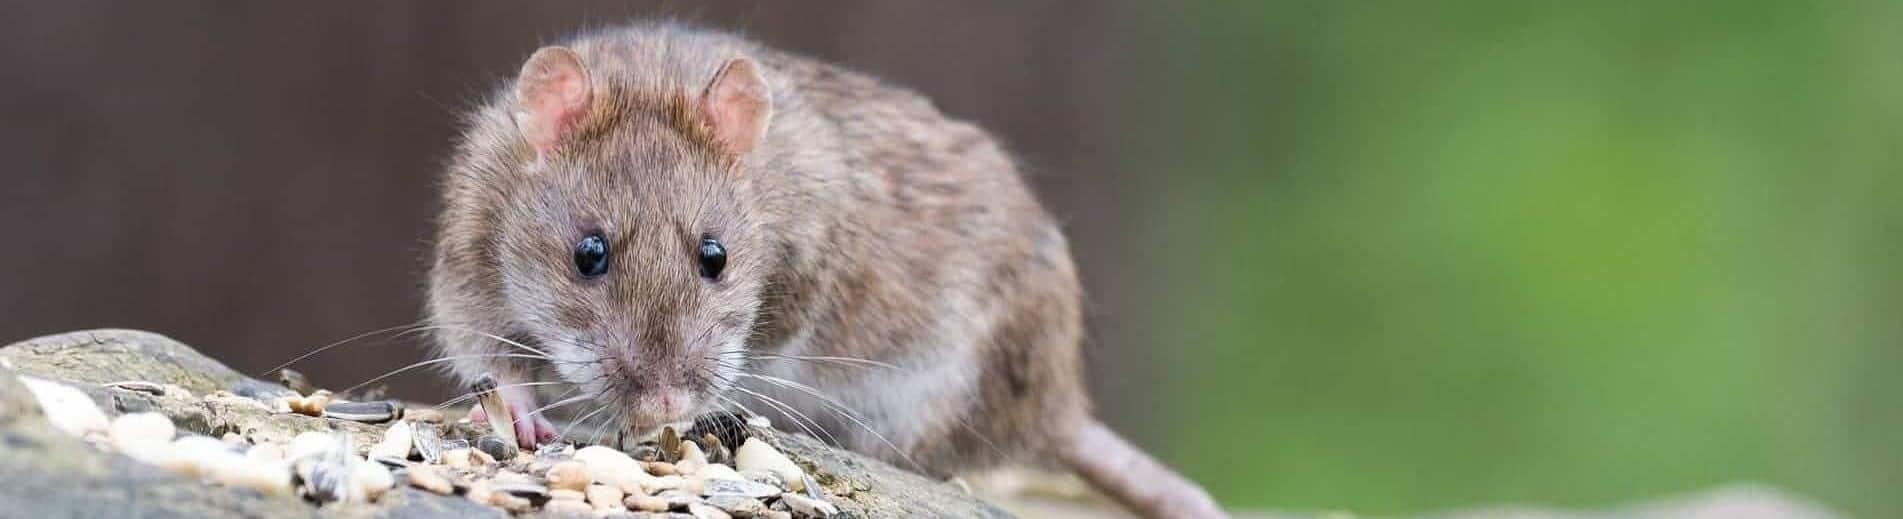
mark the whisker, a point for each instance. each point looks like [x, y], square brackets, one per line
[837, 408]
[340, 343]
[848, 361]
[560, 401]
[476, 332]
[437, 361]
[584, 418]
[793, 415]
[471, 395]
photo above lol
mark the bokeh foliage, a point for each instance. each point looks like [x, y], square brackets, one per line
[1426, 255]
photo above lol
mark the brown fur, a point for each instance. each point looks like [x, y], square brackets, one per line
[864, 224]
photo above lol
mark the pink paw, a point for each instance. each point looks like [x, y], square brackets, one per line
[531, 428]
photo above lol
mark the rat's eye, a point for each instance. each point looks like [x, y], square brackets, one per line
[591, 256]
[713, 257]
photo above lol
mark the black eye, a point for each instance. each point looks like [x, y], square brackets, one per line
[591, 256]
[713, 257]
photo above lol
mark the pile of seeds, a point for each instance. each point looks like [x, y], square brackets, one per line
[701, 477]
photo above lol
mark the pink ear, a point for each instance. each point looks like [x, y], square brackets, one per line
[736, 107]
[551, 95]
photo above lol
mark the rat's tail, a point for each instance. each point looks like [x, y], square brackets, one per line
[1140, 482]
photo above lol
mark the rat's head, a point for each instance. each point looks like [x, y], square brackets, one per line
[627, 249]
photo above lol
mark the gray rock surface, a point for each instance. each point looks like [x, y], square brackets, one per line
[56, 475]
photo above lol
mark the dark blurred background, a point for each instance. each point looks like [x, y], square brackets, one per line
[1387, 257]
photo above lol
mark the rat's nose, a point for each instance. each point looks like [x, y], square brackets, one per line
[655, 405]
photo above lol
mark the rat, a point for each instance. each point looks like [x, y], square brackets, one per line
[665, 220]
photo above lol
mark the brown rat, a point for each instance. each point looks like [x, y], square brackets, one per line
[672, 220]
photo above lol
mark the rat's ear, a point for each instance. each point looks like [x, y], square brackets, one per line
[735, 106]
[551, 96]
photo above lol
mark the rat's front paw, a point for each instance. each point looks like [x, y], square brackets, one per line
[530, 427]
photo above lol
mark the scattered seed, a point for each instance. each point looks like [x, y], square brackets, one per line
[457, 458]
[501, 419]
[670, 445]
[530, 491]
[366, 412]
[612, 467]
[143, 436]
[755, 454]
[568, 475]
[310, 444]
[646, 503]
[497, 447]
[478, 457]
[661, 468]
[603, 496]
[427, 444]
[397, 442]
[371, 479]
[691, 458]
[427, 478]
[425, 415]
[569, 509]
[311, 405]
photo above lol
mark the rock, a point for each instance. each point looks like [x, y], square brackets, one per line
[803, 506]
[69, 409]
[612, 467]
[563, 494]
[105, 356]
[568, 475]
[705, 511]
[763, 477]
[741, 487]
[737, 505]
[755, 454]
[429, 478]
[604, 495]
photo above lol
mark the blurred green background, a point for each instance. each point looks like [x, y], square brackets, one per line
[1426, 255]
[1386, 257]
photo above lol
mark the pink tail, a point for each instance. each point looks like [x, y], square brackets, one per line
[1138, 481]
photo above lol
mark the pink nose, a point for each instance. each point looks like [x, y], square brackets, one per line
[659, 405]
